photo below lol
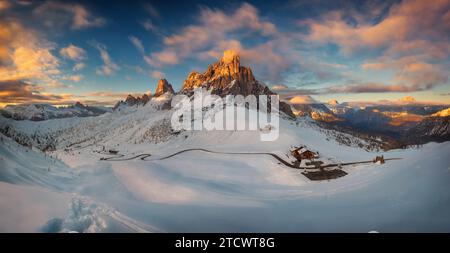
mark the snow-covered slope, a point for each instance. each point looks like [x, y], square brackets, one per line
[38, 193]
[203, 192]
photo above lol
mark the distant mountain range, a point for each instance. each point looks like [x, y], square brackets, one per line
[224, 77]
[37, 112]
[404, 124]
[397, 124]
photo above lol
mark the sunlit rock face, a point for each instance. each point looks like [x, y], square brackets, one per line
[228, 77]
[163, 87]
[225, 77]
[442, 113]
[333, 102]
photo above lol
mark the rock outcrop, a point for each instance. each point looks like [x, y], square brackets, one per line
[228, 77]
[133, 101]
[163, 87]
[225, 77]
[433, 128]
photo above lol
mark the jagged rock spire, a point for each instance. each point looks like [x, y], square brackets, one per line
[228, 77]
[163, 87]
[220, 76]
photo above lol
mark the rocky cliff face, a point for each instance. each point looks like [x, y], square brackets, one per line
[225, 77]
[132, 101]
[228, 77]
[163, 87]
[430, 129]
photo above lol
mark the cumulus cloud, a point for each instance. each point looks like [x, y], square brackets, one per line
[412, 40]
[411, 74]
[24, 55]
[73, 53]
[408, 21]
[109, 67]
[166, 57]
[137, 43]
[60, 13]
[213, 33]
[78, 66]
[4, 4]
[29, 63]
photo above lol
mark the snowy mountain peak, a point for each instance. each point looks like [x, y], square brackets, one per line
[220, 76]
[163, 87]
[333, 102]
[228, 77]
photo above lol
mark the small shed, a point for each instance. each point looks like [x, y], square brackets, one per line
[113, 152]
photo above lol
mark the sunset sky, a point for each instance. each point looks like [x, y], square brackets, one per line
[97, 52]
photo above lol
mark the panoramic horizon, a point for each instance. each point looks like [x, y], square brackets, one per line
[350, 51]
[224, 116]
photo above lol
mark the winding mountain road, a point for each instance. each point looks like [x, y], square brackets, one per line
[144, 156]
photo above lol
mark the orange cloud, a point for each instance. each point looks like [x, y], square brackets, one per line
[302, 99]
[211, 36]
[24, 55]
[412, 72]
[4, 4]
[408, 21]
[18, 92]
[412, 40]
[73, 52]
